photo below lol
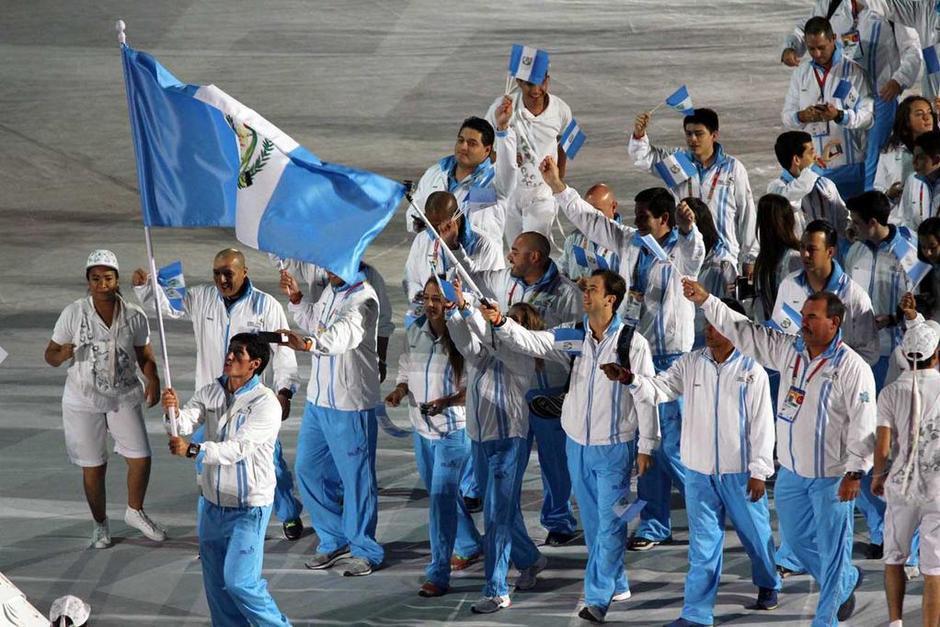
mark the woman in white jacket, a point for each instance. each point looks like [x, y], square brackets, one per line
[915, 117]
[431, 375]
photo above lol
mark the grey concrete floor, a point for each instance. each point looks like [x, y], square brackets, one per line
[379, 85]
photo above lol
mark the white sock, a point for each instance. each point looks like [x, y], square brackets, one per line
[896, 623]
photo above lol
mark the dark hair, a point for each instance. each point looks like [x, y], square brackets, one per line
[706, 117]
[930, 143]
[484, 128]
[923, 364]
[818, 25]
[658, 201]
[870, 205]
[255, 348]
[735, 305]
[821, 226]
[454, 356]
[541, 245]
[791, 144]
[775, 232]
[901, 131]
[927, 299]
[703, 221]
[834, 306]
[117, 275]
[614, 285]
[531, 319]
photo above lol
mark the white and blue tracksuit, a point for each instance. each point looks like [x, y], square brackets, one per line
[238, 483]
[666, 320]
[923, 17]
[442, 448]
[497, 423]
[841, 145]
[575, 267]
[557, 300]
[825, 427]
[813, 197]
[724, 186]
[919, 200]
[729, 440]
[335, 464]
[601, 422]
[717, 273]
[214, 323]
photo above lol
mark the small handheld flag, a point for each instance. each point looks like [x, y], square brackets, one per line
[388, 426]
[931, 59]
[653, 246]
[589, 260]
[675, 169]
[479, 198]
[906, 254]
[627, 511]
[846, 93]
[170, 278]
[528, 64]
[568, 340]
[792, 319]
[681, 101]
[572, 139]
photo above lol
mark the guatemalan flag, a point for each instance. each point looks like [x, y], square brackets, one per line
[589, 260]
[932, 59]
[572, 139]
[846, 93]
[653, 246]
[675, 169]
[906, 254]
[568, 339]
[205, 159]
[171, 279]
[681, 101]
[528, 64]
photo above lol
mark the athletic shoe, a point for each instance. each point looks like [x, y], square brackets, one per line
[592, 614]
[621, 596]
[681, 622]
[637, 543]
[527, 578]
[911, 572]
[101, 535]
[459, 562]
[559, 538]
[473, 504]
[429, 589]
[293, 529]
[488, 605]
[766, 600]
[875, 551]
[322, 561]
[848, 607]
[358, 567]
[139, 519]
[785, 572]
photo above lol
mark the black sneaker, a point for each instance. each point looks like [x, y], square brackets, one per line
[293, 529]
[473, 504]
[637, 543]
[848, 607]
[785, 572]
[559, 538]
[875, 551]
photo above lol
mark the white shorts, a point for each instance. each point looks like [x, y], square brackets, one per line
[901, 520]
[86, 433]
[530, 209]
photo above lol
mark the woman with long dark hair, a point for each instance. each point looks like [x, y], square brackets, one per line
[915, 117]
[779, 251]
[431, 374]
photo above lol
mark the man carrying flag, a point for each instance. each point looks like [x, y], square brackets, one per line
[539, 120]
[716, 178]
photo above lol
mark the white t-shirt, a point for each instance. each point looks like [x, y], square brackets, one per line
[103, 372]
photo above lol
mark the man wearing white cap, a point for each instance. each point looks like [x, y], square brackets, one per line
[105, 340]
[909, 423]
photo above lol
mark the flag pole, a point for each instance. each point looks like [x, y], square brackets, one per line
[154, 286]
[654, 109]
[508, 82]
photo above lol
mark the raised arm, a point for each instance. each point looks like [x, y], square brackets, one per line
[143, 290]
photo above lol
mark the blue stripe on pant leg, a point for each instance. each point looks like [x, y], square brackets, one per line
[286, 505]
[706, 540]
[213, 544]
[751, 522]
[834, 541]
[318, 479]
[556, 514]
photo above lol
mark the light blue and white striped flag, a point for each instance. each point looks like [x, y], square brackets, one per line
[846, 93]
[675, 169]
[906, 254]
[931, 59]
[170, 278]
[479, 198]
[569, 339]
[681, 101]
[572, 139]
[792, 319]
[589, 260]
[653, 246]
[528, 64]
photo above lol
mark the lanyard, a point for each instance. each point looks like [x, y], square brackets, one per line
[821, 82]
[806, 380]
[711, 190]
[437, 250]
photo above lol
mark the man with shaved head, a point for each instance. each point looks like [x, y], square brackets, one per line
[219, 312]
[534, 278]
[580, 256]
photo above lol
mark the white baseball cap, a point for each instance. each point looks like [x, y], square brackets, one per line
[920, 341]
[70, 607]
[102, 257]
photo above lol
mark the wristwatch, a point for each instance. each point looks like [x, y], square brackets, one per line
[854, 475]
[192, 450]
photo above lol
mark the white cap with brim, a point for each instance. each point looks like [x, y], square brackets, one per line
[70, 607]
[102, 257]
[920, 341]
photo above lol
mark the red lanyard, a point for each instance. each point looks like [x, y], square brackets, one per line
[796, 368]
[821, 82]
[711, 191]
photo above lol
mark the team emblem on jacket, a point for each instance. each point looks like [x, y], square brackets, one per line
[864, 397]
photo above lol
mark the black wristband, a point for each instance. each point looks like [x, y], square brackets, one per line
[854, 475]
[192, 450]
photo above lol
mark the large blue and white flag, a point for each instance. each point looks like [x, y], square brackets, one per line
[681, 101]
[572, 139]
[286, 200]
[931, 59]
[528, 64]
[675, 169]
[653, 246]
[589, 260]
[906, 254]
[170, 278]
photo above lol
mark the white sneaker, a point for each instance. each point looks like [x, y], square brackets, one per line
[527, 578]
[488, 605]
[139, 519]
[101, 536]
[621, 596]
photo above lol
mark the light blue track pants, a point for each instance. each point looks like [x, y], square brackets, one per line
[556, 514]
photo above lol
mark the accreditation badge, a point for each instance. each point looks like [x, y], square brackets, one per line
[791, 404]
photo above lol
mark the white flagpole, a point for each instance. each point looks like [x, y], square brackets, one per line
[508, 82]
[154, 286]
[653, 110]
